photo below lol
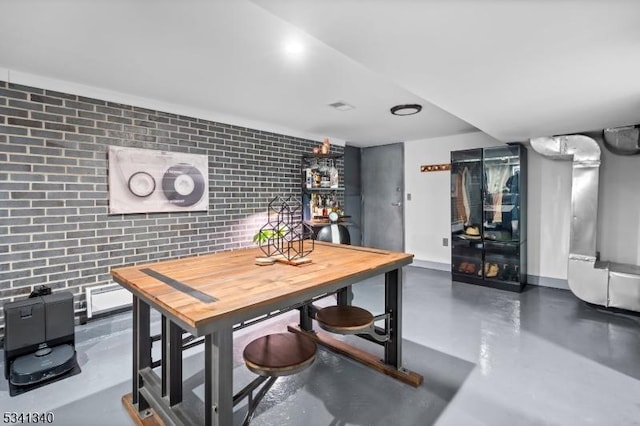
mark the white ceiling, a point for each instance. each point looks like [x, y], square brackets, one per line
[512, 68]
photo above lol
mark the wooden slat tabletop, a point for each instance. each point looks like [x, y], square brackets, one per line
[238, 284]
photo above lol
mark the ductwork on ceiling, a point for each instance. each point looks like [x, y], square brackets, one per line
[622, 140]
[599, 282]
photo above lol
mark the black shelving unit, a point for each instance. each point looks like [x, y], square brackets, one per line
[488, 216]
[308, 188]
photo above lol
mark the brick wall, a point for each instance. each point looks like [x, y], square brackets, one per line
[55, 228]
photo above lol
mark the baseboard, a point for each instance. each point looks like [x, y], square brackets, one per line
[531, 279]
[548, 282]
[431, 265]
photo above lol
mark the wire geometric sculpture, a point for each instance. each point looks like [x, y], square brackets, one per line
[285, 232]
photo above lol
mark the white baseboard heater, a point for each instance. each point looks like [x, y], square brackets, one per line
[105, 298]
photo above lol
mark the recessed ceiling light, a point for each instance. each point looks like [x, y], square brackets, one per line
[293, 47]
[341, 106]
[408, 109]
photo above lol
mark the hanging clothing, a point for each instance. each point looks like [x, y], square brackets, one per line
[473, 191]
[466, 195]
[459, 212]
[497, 177]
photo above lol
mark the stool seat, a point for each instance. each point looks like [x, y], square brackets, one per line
[279, 354]
[344, 319]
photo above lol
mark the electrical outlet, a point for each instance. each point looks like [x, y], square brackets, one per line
[445, 242]
[408, 196]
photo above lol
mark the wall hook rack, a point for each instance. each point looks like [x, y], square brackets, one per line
[435, 167]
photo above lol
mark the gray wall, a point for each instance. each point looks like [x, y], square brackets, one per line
[54, 223]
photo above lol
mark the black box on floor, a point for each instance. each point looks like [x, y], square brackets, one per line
[39, 341]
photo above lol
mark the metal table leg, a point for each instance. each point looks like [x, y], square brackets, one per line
[393, 307]
[141, 349]
[171, 361]
[218, 378]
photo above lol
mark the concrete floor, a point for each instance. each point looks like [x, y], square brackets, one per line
[488, 357]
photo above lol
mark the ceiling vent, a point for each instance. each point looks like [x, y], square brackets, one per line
[341, 106]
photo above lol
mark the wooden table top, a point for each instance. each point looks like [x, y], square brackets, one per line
[199, 290]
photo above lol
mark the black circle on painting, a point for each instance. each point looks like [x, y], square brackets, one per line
[141, 184]
[183, 185]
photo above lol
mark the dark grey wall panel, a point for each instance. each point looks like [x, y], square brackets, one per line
[352, 189]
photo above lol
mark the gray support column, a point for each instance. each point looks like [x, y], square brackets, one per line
[218, 378]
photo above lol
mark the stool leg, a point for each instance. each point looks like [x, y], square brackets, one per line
[345, 296]
[306, 323]
[254, 403]
[248, 390]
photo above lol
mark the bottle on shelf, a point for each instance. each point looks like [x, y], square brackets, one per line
[314, 205]
[325, 177]
[320, 206]
[308, 178]
[315, 176]
[334, 180]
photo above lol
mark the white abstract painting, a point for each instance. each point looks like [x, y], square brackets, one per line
[146, 181]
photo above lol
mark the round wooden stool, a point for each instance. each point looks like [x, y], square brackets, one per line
[344, 319]
[279, 354]
[270, 357]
